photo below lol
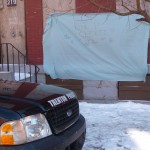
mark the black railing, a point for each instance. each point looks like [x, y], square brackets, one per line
[12, 60]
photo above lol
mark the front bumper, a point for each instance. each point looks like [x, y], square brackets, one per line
[54, 142]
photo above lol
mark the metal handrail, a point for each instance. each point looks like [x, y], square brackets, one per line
[11, 59]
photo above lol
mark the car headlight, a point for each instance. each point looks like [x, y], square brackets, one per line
[25, 130]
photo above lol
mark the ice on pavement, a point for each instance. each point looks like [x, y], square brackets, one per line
[120, 126]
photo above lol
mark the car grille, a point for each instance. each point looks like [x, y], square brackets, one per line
[63, 116]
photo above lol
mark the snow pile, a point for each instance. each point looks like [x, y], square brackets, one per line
[121, 126]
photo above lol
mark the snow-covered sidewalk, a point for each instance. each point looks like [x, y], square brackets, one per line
[120, 126]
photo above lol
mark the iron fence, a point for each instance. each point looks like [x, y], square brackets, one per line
[12, 60]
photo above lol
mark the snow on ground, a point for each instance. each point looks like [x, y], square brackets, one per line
[22, 76]
[120, 126]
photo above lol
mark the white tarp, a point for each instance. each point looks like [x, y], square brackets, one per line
[96, 47]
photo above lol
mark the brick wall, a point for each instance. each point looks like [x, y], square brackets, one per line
[34, 30]
[84, 6]
[34, 24]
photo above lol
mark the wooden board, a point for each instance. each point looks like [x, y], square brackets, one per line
[134, 90]
[75, 85]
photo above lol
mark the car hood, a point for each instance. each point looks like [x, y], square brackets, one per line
[26, 99]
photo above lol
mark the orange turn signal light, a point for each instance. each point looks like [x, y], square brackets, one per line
[6, 135]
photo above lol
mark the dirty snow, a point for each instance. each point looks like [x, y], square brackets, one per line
[120, 126]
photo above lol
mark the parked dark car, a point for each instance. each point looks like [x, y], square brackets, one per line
[39, 117]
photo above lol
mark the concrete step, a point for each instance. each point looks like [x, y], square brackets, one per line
[7, 76]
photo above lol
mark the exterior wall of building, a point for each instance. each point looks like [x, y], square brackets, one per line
[12, 25]
[131, 6]
[85, 6]
[62, 6]
[91, 89]
[34, 31]
[99, 90]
